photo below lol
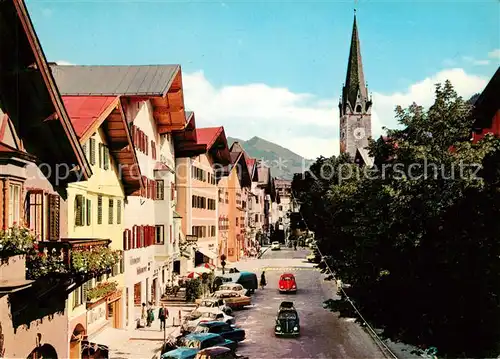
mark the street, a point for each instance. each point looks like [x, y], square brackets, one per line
[323, 334]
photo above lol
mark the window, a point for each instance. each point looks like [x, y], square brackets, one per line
[79, 210]
[160, 234]
[358, 108]
[92, 150]
[78, 296]
[14, 206]
[89, 212]
[153, 149]
[34, 212]
[256, 218]
[119, 211]
[160, 189]
[110, 212]
[172, 191]
[237, 220]
[99, 209]
[212, 231]
[106, 157]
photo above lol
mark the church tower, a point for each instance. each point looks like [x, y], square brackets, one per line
[355, 106]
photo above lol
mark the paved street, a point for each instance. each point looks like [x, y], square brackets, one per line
[323, 334]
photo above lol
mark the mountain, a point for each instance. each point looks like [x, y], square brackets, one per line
[283, 162]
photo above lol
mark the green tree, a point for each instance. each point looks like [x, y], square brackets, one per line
[417, 237]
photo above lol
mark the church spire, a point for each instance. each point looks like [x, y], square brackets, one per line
[355, 78]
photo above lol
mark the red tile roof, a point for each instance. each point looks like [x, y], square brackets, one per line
[84, 111]
[208, 135]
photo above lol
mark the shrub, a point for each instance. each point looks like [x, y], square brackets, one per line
[193, 289]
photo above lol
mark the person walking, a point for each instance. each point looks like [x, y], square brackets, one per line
[163, 316]
[144, 315]
[150, 315]
[262, 280]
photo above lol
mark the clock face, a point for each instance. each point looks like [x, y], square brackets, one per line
[359, 133]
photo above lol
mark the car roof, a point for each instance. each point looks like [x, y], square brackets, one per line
[180, 351]
[201, 336]
[214, 323]
[215, 350]
[288, 275]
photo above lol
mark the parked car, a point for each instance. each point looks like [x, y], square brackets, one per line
[218, 353]
[287, 283]
[225, 330]
[287, 320]
[233, 299]
[207, 340]
[235, 287]
[247, 279]
[210, 315]
[275, 246]
[214, 303]
[180, 353]
[191, 345]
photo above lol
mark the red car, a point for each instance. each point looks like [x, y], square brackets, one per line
[287, 283]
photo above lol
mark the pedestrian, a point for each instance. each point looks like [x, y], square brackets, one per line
[262, 280]
[150, 315]
[144, 316]
[163, 316]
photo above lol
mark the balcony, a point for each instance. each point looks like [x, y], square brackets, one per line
[71, 257]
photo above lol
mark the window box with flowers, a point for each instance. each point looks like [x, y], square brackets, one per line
[100, 291]
[16, 241]
[94, 261]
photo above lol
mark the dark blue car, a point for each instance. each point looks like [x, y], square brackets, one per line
[225, 330]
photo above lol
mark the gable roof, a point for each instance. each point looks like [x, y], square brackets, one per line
[186, 141]
[487, 104]
[88, 114]
[238, 160]
[252, 168]
[35, 108]
[144, 80]
[161, 84]
[214, 138]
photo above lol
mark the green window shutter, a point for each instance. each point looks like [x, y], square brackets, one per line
[92, 150]
[99, 209]
[110, 213]
[89, 212]
[106, 157]
[79, 209]
[119, 211]
[101, 155]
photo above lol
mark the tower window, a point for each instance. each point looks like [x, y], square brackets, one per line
[358, 108]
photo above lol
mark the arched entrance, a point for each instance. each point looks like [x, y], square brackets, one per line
[75, 343]
[45, 351]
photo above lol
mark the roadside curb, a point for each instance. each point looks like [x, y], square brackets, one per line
[262, 253]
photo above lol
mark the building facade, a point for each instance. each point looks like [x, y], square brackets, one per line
[197, 162]
[153, 105]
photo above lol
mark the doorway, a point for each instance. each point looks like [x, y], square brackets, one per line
[137, 294]
[153, 291]
[114, 313]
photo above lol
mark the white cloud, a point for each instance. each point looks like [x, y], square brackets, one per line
[476, 62]
[303, 123]
[495, 54]
[63, 63]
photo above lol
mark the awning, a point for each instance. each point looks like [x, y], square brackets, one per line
[208, 253]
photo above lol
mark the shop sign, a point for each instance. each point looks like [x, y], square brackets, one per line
[191, 239]
[96, 315]
[141, 270]
[135, 260]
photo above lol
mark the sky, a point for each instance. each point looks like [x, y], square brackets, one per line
[275, 69]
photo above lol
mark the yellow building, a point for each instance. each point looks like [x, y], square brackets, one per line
[95, 210]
